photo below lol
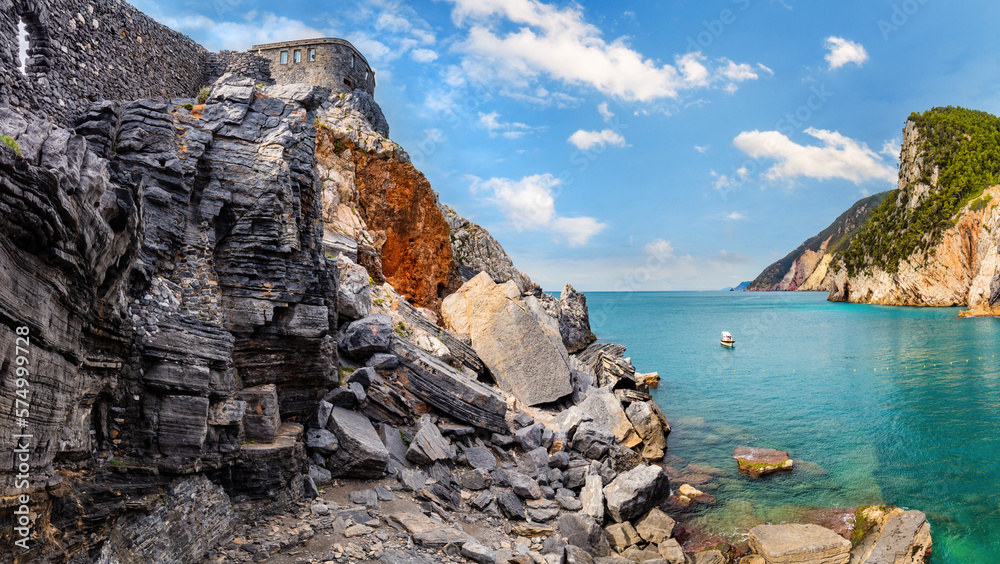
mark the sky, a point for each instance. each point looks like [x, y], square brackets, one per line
[644, 145]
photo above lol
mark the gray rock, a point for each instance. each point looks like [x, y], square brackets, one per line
[383, 361]
[580, 529]
[342, 397]
[412, 480]
[569, 419]
[476, 251]
[607, 412]
[429, 445]
[183, 425]
[322, 415]
[366, 336]
[474, 480]
[635, 492]
[502, 441]
[574, 320]
[393, 441]
[530, 438]
[559, 459]
[320, 475]
[384, 494]
[482, 500]
[511, 506]
[623, 459]
[905, 537]
[622, 535]
[321, 441]
[577, 555]
[368, 498]
[361, 453]
[522, 420]
[354, 298]
[524, 486]
[478, 553]
[228, 412]
[592, 496]
[362, 376]
[480, 458]
[650, 429]
[310, 487]
[510, 341]
[592, 440]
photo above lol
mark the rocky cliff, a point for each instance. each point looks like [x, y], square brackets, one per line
[933, 241]
[807, 268]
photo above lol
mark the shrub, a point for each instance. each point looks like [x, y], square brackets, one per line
[10, 142]
[203, 94]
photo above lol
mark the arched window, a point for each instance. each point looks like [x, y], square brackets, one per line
[22, 44]
[33, 44]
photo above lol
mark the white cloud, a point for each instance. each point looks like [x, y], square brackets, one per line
[891, 149]
[844, 51]
[393, 23]
[529, 205]
[702, 149]
[258, 28]
[510, 130]
[660, 248]
[424, 55]
[737, 179]
[838, 157]
[736, 216]
[585, 140]
[765, 69]
[606, 114]
[559, 43]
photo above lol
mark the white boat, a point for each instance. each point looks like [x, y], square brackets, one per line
[727, 339]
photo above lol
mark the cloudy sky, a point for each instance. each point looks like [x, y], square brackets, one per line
[644, 145]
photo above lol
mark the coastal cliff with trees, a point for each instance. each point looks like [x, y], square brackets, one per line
[251, 332]
[931, 242]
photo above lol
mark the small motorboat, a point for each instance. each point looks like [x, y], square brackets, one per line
[727, 340]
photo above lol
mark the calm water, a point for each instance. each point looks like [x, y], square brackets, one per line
[876, 405]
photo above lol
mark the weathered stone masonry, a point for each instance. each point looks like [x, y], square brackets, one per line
[83, 51]
[329, 62]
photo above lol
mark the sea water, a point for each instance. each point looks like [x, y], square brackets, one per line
[876, 404]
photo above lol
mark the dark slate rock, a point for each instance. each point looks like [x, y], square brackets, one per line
[321, 415]
[474, 480]
[524, 486]
[362, 376]
[366, 336]
[361, 453]
[577, 555]
[502, 441]
[559, 460]
[522, 420]
[500, 478]
[592, 440]
[311, 491]
[511, 506]
[384, 494]
[580, 529]
[368, 498]
[429, 445]
[320, 475]
[321, 441]
[480, 458]
[412, 480]
[482, 500]
[393, 441]
[622, 458]
[341, 397]
[383, 361]
[530, 438]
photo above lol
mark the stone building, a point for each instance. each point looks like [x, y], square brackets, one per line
[329, 62]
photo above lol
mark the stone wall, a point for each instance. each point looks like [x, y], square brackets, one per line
[240, 63]
[335, 64]
[85, 51]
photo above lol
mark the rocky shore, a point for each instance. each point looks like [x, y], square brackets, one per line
[262, 338]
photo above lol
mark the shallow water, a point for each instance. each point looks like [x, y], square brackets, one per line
[876, 404]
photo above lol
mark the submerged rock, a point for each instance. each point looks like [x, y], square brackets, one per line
[760, 461]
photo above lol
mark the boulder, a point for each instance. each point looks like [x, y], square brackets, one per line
[717, 557]
[760, 461]
[366, 336]
[569, 419]
[509, 340]
[393, 440]
[592, 496]
[524, 486]
[577, 555]
[592, 440]
[530, 438]
[574, 320]
[656, 526]
[480, 458]
[382, 361]
[580, 529]
[361, 453]
[670, 550]
[795, 543]
[647, 554]
[896, 536]
[320, 476]
[635, 492]
[321, 441]
[606, 410]
[622, 536]
[511, 506]
[354, 297]
[363, 377]
[429, 445]
[648, 426]
[478, 553]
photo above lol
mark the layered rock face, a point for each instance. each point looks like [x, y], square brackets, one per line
[956, 268]
[171, 273]
[476, 251]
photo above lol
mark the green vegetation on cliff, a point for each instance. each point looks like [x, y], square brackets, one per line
[840, 233]
[964, 146]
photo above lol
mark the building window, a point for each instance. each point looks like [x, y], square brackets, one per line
[348, 83]
[312, 55]
[283, 57]
[352, 61]
[297, 56]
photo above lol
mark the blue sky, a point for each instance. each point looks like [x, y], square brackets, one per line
[674, 145]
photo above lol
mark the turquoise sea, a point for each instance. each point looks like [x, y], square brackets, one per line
[876, 404]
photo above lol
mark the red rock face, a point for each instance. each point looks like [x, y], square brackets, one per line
[396, 199]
